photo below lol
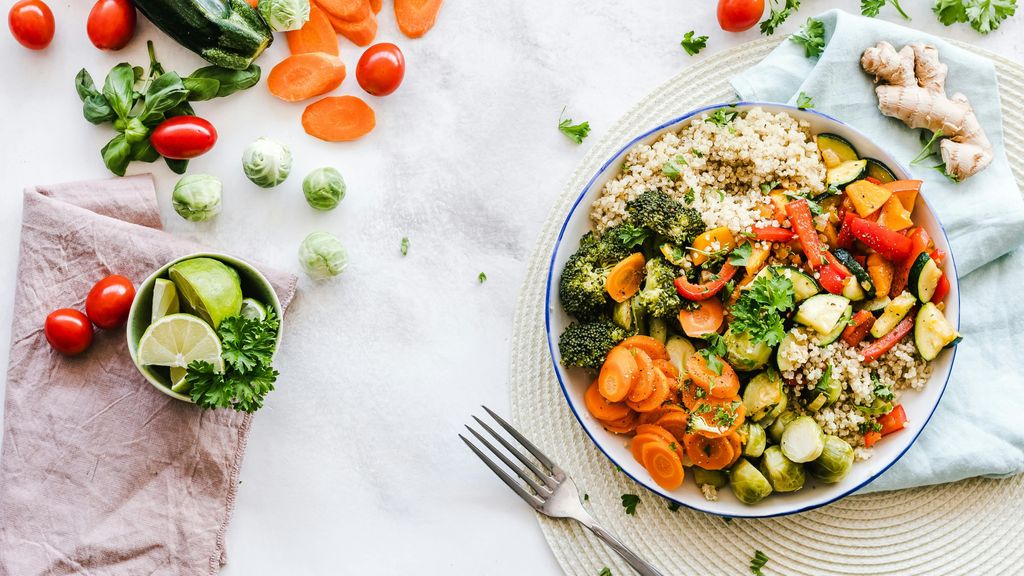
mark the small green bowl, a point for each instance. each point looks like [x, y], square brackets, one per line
[254, 285]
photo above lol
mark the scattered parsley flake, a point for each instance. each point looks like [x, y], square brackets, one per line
[714, 352]
[482, 277]
[758, 562]
[767, 187]
[629, 502]
[688, 197]
[586, 497]
[692, 44]
[672, 168]
[574, 132]
[825, 381]
[803, 101]
[779, 12]
[405, 246]
[606, 571]
[696, 153]
[812, 37]
[741, 255]
[722, 116]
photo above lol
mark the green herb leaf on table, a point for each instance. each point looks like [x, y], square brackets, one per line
[983, 15]
[803, 102]
[629, 502]
[693, 45]
[812, 37]
[758, 562]
[405, 246]
[779, 11]
[574, 132]
[606, 571]
[482, 277]
[873, 7]
[119, 89]
[228, 81]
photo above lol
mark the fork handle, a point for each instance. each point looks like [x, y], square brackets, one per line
[637, 563]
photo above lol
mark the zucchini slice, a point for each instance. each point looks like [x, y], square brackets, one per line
[879, 171]
[803, 285]
[893, 313]
[822, 312]
[924, 277]
[875, 304]
[826, 339]
[858, 271]
[838, 145]
[852, 289]
[932, 332]
[845, 173]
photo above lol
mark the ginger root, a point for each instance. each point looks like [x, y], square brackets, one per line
[912, 89]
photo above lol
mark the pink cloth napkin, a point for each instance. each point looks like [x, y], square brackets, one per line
[100, 473]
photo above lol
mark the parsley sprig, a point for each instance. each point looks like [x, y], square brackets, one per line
[812, 37]
[722, 116]
[803, 101]
[758, 562]
[693, 45]
[574, 132]
[629, 502]
[983, 15]
[779, 12]
[873, 7]
[714, 353]
[758, 311]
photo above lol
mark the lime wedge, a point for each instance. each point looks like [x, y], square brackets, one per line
[178, 383]
[165, 299]
[210, 287]
[252, 309]
[177, 340]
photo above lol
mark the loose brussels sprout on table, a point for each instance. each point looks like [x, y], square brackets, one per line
[322, 255]
[284, 15]
[782, 473]
[748, 484]
[267, 163]
[835, 461]
[324, 188]
[197, 197]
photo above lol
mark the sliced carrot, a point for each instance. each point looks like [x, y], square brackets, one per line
[675, 422]
[653, 416]
[708, 453]
[723, 385]
[623, 425]
[690, 393]
[655, 399]
[625, 277]
[416, 17]
[338, 119]
[656, 350]
[663, 464]
[656, 430]
[376, 6]
[737, 447]
[316, 35]
[601, 408]
[304, 76]
[705, 317]
[644, 383]
[716, 417]
[617, 374]
[637, 444]
[668, 368]
[359, 32]
[349, 10]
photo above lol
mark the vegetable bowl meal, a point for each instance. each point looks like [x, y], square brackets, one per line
[204, 329]
[760, 300]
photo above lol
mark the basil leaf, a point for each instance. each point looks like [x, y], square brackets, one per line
[200, 89]
[177, 166]
[138, 71]
[231, 81]
[84, 85]
[95, 107]
[164, 93]
[119, 89]
[183, 109]
[117, 154]
[135, 131]
[143, 151]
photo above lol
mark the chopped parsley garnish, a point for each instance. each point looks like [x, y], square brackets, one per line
[767, 187]
[873, 7]
[714, 352]
[758, 562]
[727, 290]
[606, 571]
[629, 502]
[482, 277]
[586, 497]
[692, 44]
[722, 116]
[696, 153]
[803, 101]
[812, 37]
[758, 311]
[405, 246]
[673, 167]
[574, 132]
[779, 12]
[724, 418]
[983, 15]
[825, 381]
[688, 197]
[881, 390]
[741, 255]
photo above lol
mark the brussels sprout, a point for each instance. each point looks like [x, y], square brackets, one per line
[658, 329]
[196, 197]
[266, 162]
[284, 15]
[774, 414]
[835, 461]
[782, 473]
[324, 188]
[748, 484]
[755, 441]
[322, 255]
[762, 394]
[778, 426]
[743, 354]
[802, 440]
[715, 478]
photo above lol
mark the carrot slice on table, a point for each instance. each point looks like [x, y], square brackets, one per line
[675, 423]
[601, 408]
[350, 10]
[715, 417]
[617, 374]
[709, 453]
[416, 17]
[706, 317]
[653, 416]
[316, 35]
[644, 383]
[376, 6]
[304, 76]
[623, 425]
[338, 119]
[656, 350]
[722, 385]
[625, 277]
[663, 464]
[655, 399]
[360, 32]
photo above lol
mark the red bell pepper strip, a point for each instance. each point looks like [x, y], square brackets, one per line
[891, 245]
[845, 238]
[831, 279]
[919, 242]
[834, 262]
[698, 292]
[799, 212]
[858, 330]
[894, 421]
[938, 255]
[773, 234]
[874, 181]
[941, 290]
[875, 350]
[870, 437]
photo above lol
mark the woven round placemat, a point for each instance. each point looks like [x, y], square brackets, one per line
[974, 526]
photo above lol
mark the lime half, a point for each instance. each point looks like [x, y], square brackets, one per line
[210, 287]
[165, 299]
[253, 309]
[178, 383]
[179, 339]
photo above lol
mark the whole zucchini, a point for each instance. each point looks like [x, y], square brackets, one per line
[228, 33]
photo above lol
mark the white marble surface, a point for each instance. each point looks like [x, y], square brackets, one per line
[354, 466]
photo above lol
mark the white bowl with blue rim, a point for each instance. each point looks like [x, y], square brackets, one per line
[919, 405]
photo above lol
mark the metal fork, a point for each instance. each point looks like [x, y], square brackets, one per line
[555, 496]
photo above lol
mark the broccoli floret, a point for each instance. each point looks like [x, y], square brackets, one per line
[659, 297]
[581, 288]
[586, 345]
[657, 211]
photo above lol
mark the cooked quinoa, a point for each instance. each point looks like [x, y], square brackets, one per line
[720, 169]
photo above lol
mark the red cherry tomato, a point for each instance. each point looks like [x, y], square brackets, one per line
[68, 331]
[380, 69]
[111, 24]
[183, 137]
[31, 22]
[109, 301]
[739, 15]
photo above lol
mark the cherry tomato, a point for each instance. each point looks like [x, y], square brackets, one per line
[739, 15]
[68, 331]
[111, 24]
[183, 137]
[109, 301]
[380, 69]
[31, 22]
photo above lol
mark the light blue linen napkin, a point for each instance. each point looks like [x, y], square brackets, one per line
[978, 428]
